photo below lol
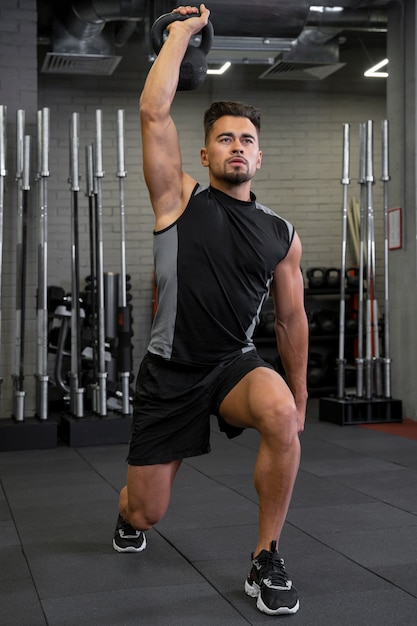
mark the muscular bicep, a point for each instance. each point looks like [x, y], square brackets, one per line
[162, 165]
[288, 285]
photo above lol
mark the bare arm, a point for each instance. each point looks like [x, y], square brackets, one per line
[169, 187]
[291, 325]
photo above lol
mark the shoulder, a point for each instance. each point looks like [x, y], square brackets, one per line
[289, 227]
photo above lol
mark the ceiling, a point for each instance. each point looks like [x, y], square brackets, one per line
[285, 39]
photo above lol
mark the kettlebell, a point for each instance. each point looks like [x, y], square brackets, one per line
[193, 68]
[313, 324]
[327, 320]
[316, 277]
[332, 277]
[316, 369]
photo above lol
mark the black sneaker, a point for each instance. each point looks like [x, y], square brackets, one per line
[128, 539]
[268, 581]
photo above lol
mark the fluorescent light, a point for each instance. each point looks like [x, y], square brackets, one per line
[321, 9]
[373, 71]
[220, 70]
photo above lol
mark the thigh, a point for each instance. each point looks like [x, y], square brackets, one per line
[149, 488]
[259, 395]
[171, 417]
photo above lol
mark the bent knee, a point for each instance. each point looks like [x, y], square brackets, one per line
[143, 520]
[279, 422]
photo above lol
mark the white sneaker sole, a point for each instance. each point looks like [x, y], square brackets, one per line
[283, 610]
[130, 548]
[254, 592]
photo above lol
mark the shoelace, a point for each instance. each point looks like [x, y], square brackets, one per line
[275, 573]
[126, 530]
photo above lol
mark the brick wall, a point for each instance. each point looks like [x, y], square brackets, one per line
[18, 90]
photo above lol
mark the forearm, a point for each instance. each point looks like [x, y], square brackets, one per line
[292, 342]
[162, 80]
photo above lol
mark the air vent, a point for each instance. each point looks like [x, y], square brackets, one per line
[93, 64]
[285, 70]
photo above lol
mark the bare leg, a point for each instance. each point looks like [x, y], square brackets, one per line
[262, 400]
[145, 498]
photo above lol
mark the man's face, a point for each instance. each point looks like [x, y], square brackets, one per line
[232, 150]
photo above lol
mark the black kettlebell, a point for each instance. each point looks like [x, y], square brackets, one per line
[332, 277]
[193, 68]
[316, 277]
[313, 324]
[351, 325]
[316, 369]
[327, 321]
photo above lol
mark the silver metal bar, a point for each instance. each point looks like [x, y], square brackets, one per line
[362, 231]
[21, 278]
[342, 307]
[386, 361]
[369, 217]
[90, 192]
[19, 396]
[3, 174]
[76, 366]
[102, 375]
[372, 307]
[121, 173]
[42, 309]
[20, 132]
[26, 164]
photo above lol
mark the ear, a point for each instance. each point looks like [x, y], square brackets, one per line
[258, 164]
[203, 157]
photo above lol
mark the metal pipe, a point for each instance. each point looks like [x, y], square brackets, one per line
[19, 396]
[372, 307]
[362, 228]
[3, 174]
[102, 375]
[21, 279]
[342, 309]
[386, 361]
[124, 317]
[76, 365]
[89, 160]
[42, 300]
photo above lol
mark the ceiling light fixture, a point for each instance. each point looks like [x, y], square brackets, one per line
[373, 71]
[220, 70]
[321, 9]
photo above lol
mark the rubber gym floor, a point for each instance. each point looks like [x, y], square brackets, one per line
[350, 541]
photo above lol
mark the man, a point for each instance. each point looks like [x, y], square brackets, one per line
[218, 254]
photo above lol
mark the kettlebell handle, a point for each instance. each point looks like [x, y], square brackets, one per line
[160, 24]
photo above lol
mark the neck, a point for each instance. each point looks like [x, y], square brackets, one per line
[240, 191]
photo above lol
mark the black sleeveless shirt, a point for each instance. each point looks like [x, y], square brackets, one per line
[213, 268]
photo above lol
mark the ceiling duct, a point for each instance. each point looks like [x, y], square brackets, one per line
[258, 18]
[84, 35]
[293, 40]
[314, 55]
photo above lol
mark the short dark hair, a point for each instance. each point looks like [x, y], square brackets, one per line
[236, 109]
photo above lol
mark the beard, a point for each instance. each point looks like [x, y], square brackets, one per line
[236, 176]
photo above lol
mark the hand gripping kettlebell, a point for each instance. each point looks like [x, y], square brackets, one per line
[193, 68]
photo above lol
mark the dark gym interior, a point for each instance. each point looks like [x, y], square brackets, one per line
[78, 299]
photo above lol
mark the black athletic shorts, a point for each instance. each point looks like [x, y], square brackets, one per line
[173, 403]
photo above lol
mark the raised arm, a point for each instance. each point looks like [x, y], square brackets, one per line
[169, 187]
[291, 325]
